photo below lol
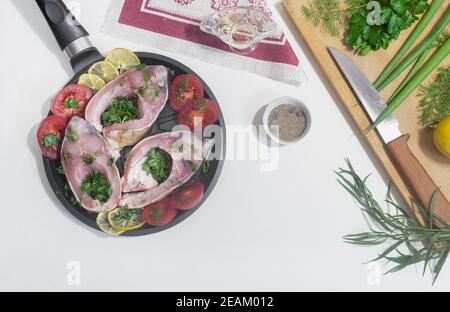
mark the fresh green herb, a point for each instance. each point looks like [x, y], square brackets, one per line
[98, 154]
[60, 170]
[181, 87]
[156, 215]
[158, 164]
[435, 99]
[368, 32]
[365, 29]
[111, 162]
[205, 166]
[125, 217]
[67, 156]
[140, 66]
[88, 159]
[192, 165]
[121, 110]
[326, 14]
[97, 187]
[421, 75]
[410, 242]
[69, 195]
[424, 21]
[71, 135]
[417, 52]
[72, 103]
[50, 140]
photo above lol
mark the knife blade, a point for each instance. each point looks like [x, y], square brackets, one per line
[368, 95]
[411, 170]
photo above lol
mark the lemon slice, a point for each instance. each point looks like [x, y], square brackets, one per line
[105, 70]
[92, 81]
[123, 59]
[103, 224]
[124, 219]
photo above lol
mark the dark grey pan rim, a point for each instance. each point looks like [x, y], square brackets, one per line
[80, 214]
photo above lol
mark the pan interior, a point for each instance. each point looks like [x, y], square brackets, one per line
[165, 122]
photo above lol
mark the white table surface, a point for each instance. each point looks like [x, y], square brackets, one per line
[262, 231]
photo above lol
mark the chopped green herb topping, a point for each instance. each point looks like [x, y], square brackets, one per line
[158, 164]
[50, 140]
[111, 162]
[140, 66]
[88, 159]
[206, 165]
[60, 170]
[192, 165]
[67, 156]
[71, 135]
[72, 103]
[97, 187]
[121, 110]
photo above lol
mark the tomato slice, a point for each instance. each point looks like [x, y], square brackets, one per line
[159, 213]
[184, 90]
[50, 136]
[71, 101]
[202, 113]
[188, 197]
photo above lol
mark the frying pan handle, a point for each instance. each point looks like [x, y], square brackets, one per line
[72, 38]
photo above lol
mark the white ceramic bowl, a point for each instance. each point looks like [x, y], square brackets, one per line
[278, 102]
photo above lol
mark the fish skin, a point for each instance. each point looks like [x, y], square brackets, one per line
[150, 106]
[181, 168]
[89, 142]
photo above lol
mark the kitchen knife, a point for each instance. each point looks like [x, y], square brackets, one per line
[396, 143]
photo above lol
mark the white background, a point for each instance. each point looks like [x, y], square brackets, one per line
[257, 231]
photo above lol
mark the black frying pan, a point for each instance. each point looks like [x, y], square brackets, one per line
[73, 40]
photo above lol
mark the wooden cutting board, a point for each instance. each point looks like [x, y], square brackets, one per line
[421, 142]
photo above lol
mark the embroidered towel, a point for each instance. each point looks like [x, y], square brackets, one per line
[173, 25]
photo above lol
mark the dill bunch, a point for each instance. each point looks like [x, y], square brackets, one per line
[331, 15]
[328, 14]
[409, 243]
[434, 103]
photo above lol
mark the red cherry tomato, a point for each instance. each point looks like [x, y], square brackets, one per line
[188, 197]
[202, 113]
[184, 90]
[71, 101]
[50, 136]
[159, 213]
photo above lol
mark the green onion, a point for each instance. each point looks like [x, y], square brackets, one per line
[424, 21]
[421, 48]
[412, 72]
[421, 75]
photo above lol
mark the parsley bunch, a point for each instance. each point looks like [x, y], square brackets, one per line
[370, 29]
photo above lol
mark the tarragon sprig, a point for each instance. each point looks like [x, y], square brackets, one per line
[409, 242]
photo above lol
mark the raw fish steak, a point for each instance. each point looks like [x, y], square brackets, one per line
[84, 152]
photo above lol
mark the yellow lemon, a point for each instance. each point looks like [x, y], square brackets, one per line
[105, 70]
[123, 59]
[103, 224]
[124, 219]
[92, 81]
[442, 137]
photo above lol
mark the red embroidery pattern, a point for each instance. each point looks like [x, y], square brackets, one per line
[184, 2]
[223, 4]
[261, 4]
